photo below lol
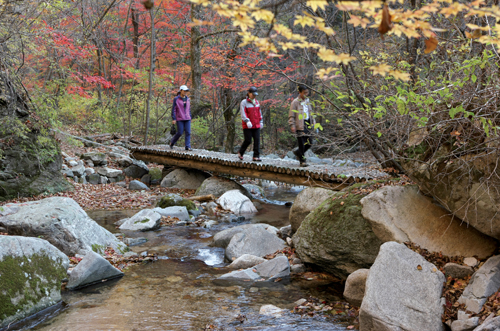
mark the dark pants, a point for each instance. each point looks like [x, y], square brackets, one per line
[305, 142]
[249, 134]
[181, 127]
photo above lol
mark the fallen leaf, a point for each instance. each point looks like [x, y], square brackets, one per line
[386, 23]
[419, 267]
[430, 45]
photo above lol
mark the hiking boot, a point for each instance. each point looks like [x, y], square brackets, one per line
[171, 146]
[304, 164]
[189, 149]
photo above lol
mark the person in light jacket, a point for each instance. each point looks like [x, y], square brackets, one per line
[251, 120]
[181, 114]
[301, 123]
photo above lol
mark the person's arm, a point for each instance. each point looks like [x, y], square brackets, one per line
[244, 116]
[291, 117]
[173, 109]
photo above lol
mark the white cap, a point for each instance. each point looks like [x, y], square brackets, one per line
[183, 88]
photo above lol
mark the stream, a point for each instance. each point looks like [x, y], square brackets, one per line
[177, 292]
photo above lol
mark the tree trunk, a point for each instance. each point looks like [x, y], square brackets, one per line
[151, 71]
[229, 119]
[195, 60]
[135, 38]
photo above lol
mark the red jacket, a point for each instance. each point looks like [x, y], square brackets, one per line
[251, 112]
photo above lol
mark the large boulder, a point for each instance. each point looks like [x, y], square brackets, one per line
[31, 272]
[30, 157]
[305, 202]
[403, 292]
[223, 238]
[355, 287]
[108, 172]
[402, 214]
[336, 237]
[145, 220]
[255, 241]
[492, 323]
[237, 203]
[136, 185]
[218, 186]
[61, 221]
[465, 185]
[483, 283]
[189, 179]
[136, 170]
[171, 200]
[92, 269]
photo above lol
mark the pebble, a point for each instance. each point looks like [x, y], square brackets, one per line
[299, 302]
[253, 289]
[471, 261]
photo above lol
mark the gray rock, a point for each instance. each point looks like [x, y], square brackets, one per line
[135, 241]
[78, 170]
[184, 179]
[146, 179]
[179, 212]
[82, 180]
[471, 261]
[272, 311]
[355, 287]
[402, 214]
[68, 159]
[62, 222]
[145, 220]
[218, 186]
[457, 271]
[72, 163]
[89, 171]
[236, 202]
[483, 283]
[223, 238]
[136, 185]
[286, 231]
[253, 240]
[305, 202]
[94, 179]
[298, 268]
[124, 161]
[98, 159]
[90, 163]
[108, 172]
[267, 271]
[403, 292]
[67, 173]
[465, 325]
[195, 212]
[255, 190]
[104, 180]
[121, 184]
[136, 170]
[92, 269]
[246, 261]
[31, 273]
[492, 323]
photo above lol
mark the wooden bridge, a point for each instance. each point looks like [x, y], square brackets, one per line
[279, 170]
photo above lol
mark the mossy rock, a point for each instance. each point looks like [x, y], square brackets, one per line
[155, 173]
[31, 272]
[171, 200]
[336, 237]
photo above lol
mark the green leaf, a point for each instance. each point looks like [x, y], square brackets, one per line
[379, 134]
[473, 78]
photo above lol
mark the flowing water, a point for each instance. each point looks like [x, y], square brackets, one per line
[177, 292]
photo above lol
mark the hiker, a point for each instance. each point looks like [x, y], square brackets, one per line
[251, 119]
[181, 114]
[301, 121]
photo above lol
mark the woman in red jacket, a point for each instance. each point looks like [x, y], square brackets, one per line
[251, 119]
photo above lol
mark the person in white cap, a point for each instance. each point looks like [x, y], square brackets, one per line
[181, 114]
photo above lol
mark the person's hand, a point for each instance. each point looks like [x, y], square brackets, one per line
[174, 121]
[261, 125]
[249, 124]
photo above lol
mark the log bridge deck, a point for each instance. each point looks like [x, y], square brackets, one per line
[279, 170]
